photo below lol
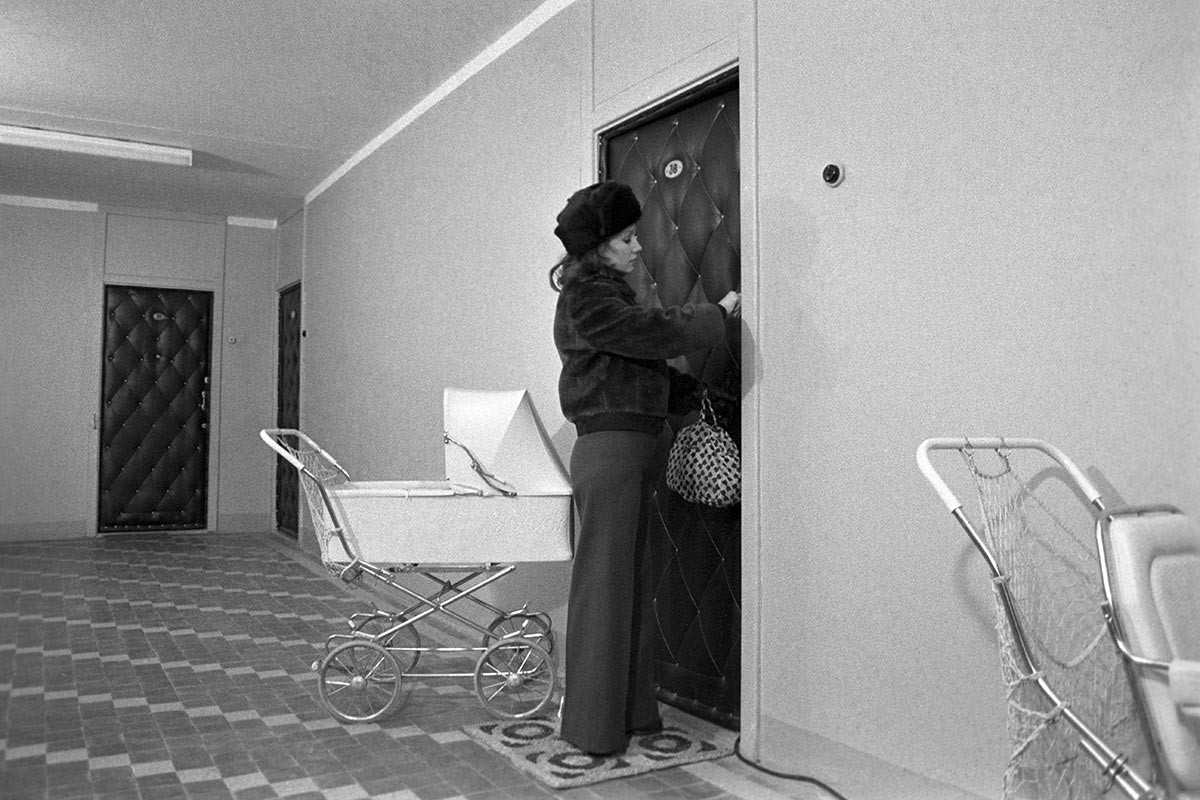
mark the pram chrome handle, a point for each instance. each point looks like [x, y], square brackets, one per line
[952, 503]
[495, 481]
[269, 437]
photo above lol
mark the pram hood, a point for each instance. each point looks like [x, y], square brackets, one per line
[502, 430]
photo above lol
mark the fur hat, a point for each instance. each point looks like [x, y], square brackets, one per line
[594, 214]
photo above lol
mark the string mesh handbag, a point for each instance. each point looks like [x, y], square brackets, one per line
[704, 465]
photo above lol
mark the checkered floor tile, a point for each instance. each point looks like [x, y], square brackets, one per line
[179, 667]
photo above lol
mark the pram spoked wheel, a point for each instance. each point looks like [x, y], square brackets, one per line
[515, 678]
[359, 682]
[526, 624]
[404, 644]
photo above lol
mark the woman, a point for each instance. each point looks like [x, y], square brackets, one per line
[616, 388]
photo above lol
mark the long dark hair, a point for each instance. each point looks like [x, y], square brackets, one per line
[570, 267]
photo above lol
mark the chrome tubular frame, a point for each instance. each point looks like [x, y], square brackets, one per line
[1114, 765]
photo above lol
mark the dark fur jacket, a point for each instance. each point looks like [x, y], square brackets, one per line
[614, 351]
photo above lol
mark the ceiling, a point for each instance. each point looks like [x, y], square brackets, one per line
[271, 95]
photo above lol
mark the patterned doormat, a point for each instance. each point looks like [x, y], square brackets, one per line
[534, 746]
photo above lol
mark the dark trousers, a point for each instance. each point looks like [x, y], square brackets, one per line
[610, 619]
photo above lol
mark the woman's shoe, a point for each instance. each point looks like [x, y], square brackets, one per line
[647, 730]
[599, 753]
[607, 753]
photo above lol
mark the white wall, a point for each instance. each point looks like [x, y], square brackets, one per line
[48, 262]
[1014, 251]
[247, 343]
[55, 259]
[290, 268]
[426, 266]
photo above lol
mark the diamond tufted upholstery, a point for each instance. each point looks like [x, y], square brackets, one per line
[684, 169]
[153, 431]
[287, 484]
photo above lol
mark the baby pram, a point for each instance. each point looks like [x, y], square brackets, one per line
[506, 498]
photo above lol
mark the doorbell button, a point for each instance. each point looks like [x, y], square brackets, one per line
[833, 174]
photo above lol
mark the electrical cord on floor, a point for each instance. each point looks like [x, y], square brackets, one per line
[737, 750]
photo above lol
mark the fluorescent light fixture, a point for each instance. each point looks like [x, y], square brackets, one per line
[94, 145]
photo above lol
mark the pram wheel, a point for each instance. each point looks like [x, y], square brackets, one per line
[515, 678]
[359, 682]
[404, 644]
[535, 627]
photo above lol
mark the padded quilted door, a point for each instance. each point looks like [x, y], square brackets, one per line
[154, 415]
[683, 166]
[287, 480]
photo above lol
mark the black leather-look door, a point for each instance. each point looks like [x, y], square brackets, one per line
[154, 415]
[287, 486]
[683, 166]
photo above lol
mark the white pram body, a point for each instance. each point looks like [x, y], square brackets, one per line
[506, 498]
[523, 514]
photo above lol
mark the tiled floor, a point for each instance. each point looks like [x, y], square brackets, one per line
[179, 667]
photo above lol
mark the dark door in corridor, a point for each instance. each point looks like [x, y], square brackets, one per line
[287, 413]
[682, 162]
[154, 409]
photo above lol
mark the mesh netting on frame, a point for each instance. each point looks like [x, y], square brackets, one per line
[1051, 571]
[327, 474]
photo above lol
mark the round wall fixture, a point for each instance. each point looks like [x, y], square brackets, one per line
[833, 174]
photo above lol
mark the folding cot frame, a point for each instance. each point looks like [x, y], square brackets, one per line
[1114, 765]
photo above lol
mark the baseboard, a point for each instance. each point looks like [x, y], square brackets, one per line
[44, 531]
[241, 523]
[788, 749]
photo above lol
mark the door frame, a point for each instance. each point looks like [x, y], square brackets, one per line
[694, 92]
[734, 53]
[102, 277]
[701, 92]
[298, 287]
